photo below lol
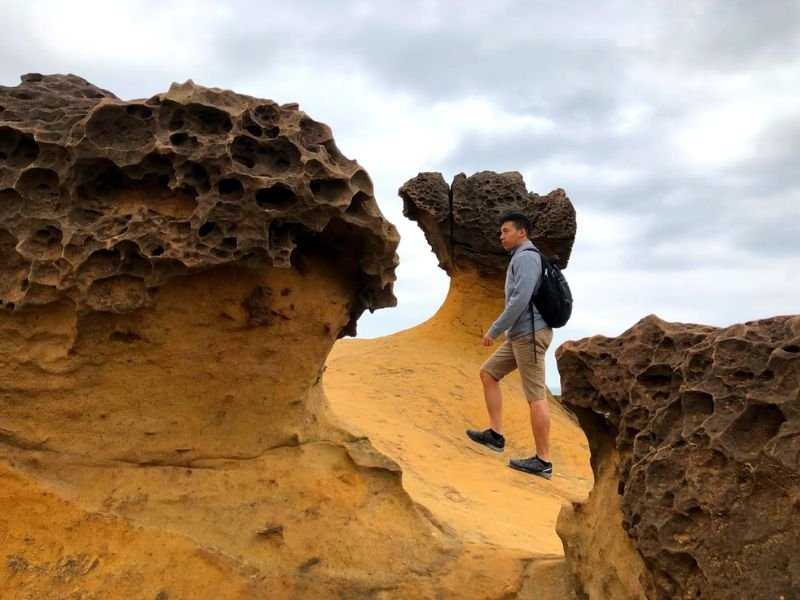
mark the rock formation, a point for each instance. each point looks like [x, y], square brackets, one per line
[104, 201]
[174, 272]
[424, 392]
[461, 221]
[695, 440]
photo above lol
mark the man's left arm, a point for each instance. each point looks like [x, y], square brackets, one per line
[525, 274]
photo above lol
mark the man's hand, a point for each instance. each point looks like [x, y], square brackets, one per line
[488, 340]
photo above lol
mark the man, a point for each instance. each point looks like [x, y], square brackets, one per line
[527, 339]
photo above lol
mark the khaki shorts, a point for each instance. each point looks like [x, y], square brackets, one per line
[518, 353]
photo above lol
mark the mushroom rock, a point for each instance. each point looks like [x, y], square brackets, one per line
[174, 272]
[461, 224]
[424, 391]
[103, 201]
[694, 433]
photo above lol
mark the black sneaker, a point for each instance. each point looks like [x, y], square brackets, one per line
[488, 439]
[533, 465]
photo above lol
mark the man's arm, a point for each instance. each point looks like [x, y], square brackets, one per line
[525, 274]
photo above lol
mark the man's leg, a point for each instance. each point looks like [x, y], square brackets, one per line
[531, 366]
[540, 425]
[497, 366]
[493, 397]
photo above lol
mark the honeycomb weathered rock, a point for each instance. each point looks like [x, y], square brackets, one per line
[706, 424]
[461, 222]
[102, 201]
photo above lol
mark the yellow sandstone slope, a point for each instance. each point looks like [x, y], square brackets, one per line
[415, 392]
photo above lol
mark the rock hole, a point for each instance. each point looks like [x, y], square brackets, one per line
[334, 154]
[206, 228]
[697, 403]
[126, 337]
[45, 236]
[277, 196]
[207, 119]
[179, 139]
[273, 132]
[230, 187]
[359, 204]
[110, 126]
[198, 177]
[754, 427]
[10, 202]
[139, 111]
[265, 158]
[157, 251]
[330, 191]
[791, 348]
[656, 375]
[313, 133]
[18, 149]
[229, 243]
[362, 182]
[254, 130]
[267, 114]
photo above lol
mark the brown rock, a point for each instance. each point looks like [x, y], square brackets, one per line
[702, 425]
[461, 221]
[103, 201]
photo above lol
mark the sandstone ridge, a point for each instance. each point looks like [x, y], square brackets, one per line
[102, 201]
[460, 221]
[694, 436]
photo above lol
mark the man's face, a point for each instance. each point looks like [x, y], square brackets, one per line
[510, 236]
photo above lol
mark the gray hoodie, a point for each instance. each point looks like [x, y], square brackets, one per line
[522, 280]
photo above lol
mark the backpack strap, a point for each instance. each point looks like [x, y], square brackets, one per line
[530, 304]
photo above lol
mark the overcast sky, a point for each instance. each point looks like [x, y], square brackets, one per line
[674, 127]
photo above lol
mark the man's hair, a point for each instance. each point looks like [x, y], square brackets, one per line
[520, 221]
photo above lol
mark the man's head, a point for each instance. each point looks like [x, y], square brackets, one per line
[514, 230]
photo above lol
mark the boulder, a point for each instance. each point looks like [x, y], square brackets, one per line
[102, 201]
[461, 222]
[695, 440]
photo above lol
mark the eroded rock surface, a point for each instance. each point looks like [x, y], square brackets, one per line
[102, 201]
[703, 427]
[461, 221]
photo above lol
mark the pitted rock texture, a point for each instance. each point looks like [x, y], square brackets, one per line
[706, 424]
[102, 200]
[461, 222]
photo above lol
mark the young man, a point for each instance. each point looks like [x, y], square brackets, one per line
[518, 351]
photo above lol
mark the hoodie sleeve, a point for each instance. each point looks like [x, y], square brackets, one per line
[525, 273]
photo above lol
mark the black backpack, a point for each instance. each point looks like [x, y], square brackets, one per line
[553, 299]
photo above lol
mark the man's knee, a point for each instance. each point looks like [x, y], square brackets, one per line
[487, 377]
